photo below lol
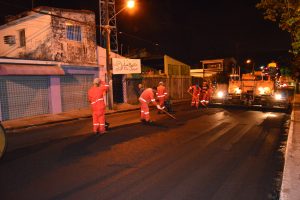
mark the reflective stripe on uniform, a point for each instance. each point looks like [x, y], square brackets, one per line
[152, 100]
[102, 124]
[97, 101]
[159, 96]
[146, 113]
[142, 99]
[96, 124]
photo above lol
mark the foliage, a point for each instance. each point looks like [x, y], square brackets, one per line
[287, 14]
[285, 71]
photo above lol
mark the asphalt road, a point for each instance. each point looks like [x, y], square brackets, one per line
[205, 154]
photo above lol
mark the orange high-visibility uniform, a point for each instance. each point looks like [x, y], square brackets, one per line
[205, 94]
[95, 96]
[195, 95]
[146, 97]
[161, 95]
[210, 92]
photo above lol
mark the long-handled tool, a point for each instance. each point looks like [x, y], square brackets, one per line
[166, 112]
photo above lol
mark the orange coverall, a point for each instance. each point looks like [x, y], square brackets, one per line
[205, 94]
[95, 96]
[161, 95]
[146, 97]
[195, 95]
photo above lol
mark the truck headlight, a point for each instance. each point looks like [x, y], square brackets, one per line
[261, 90]
[220, 94]
[278, 96]
[265, 90]
[237, 90]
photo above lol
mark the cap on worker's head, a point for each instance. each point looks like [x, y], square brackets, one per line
[96, 81]
[160, 83]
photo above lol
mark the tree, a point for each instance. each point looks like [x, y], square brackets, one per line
[287, 14]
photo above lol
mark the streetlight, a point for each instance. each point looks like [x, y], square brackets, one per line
[250, 61]
[130, 4]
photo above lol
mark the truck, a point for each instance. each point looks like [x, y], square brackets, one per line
[252, 90]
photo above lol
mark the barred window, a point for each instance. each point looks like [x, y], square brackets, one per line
[74, 32]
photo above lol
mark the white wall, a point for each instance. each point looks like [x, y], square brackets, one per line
[102, 61]
[37, 30]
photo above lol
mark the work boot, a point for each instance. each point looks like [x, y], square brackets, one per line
[106, 126]
[150, 122]
[143, 121]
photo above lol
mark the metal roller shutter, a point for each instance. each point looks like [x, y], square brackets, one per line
[24, 96]
[74, 89]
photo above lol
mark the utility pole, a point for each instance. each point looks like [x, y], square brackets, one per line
[108, 24]
[108, 60]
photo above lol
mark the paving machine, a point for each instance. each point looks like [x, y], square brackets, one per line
[252, 89]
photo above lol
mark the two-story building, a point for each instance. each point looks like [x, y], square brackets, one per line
[52, 34]
[48, 60]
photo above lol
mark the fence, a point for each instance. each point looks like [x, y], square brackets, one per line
[176, 86]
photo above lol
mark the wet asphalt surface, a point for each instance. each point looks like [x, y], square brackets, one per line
[210, 153]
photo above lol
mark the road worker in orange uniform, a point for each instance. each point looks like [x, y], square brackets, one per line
[205, 94]
[194, 90]
[161, 94]
[95, 96]
[146, 97]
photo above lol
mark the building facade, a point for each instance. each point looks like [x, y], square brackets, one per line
[48, 60]
[52, 34]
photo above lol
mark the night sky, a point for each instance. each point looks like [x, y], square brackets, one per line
[187, 30]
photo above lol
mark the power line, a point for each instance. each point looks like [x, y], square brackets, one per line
[139, 38]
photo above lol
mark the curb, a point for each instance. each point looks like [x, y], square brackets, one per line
[287, 176]
[12, 129]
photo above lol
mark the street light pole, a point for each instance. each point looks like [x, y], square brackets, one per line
[107, 28]
[108, 63]
[249, 61]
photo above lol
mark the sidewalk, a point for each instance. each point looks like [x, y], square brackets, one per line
[290, 189]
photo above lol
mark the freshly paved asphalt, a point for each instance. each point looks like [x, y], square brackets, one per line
[205, 154]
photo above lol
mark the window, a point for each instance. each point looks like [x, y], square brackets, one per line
[9, 39]
[74, 32]
[22, 38]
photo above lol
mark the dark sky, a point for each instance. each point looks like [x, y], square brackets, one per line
[187, 30]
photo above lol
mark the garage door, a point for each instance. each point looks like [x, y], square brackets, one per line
[24, 96]
[74, 89]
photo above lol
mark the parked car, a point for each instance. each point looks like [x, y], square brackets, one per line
[2, 141]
